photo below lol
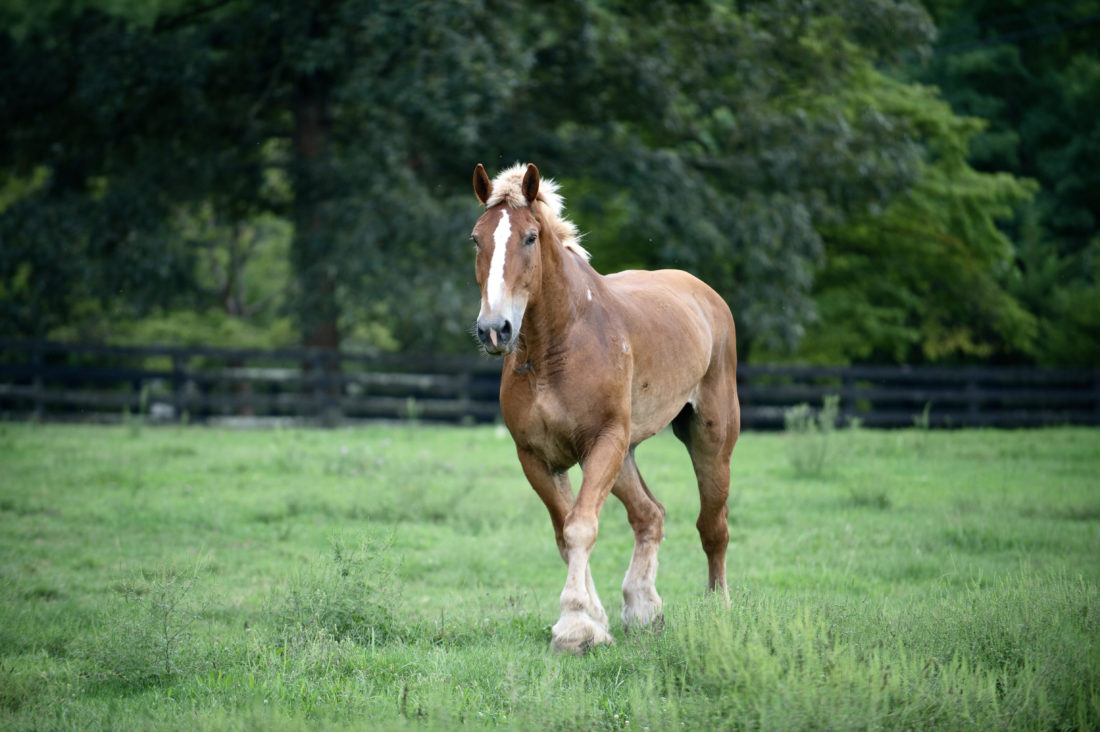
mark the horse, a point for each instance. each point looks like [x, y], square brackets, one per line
[592, 366]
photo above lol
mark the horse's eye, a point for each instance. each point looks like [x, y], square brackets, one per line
[531, 239]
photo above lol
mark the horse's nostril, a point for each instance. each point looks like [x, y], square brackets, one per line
[506, 331]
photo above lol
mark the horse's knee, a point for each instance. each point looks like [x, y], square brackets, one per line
[580, 532]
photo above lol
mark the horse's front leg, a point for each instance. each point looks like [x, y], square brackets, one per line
[554, 490]
[583, 621]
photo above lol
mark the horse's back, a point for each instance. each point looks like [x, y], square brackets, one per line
[682, 299]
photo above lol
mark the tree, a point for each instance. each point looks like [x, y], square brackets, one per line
[90, 221]
[1034, 73]
[931, 277]
[720, 137]
[349, 107]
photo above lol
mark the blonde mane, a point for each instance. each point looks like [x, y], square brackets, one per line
[508, 188]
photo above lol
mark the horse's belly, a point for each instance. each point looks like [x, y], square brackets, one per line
[651, 412]
[664, 379]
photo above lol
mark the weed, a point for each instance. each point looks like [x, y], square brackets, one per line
[349, 594]
[923, 421]
[867, 497]
[145, 638]
[1084, 512]
[290, 457]
[19, 685]
[135, 422]
[808, 435]
[346, 463]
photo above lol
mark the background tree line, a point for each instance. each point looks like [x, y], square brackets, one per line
[275, 172]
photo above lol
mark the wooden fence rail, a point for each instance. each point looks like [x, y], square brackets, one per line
[50, 380]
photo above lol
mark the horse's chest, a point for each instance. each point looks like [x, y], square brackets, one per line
[542, 421]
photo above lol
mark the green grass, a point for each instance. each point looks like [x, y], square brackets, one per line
[385, 577]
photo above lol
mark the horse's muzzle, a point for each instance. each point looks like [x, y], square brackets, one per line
[496, 336]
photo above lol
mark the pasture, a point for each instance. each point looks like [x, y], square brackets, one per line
[405, 575]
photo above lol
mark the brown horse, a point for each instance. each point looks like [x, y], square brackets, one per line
[594, 365]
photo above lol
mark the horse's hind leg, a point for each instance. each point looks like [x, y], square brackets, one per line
[641, 603]
[710, 430]
[714, 488]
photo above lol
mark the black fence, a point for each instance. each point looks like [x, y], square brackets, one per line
[64, 381]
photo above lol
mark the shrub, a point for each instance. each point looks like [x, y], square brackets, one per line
[146, 638]
[808, 435]
[349, 594]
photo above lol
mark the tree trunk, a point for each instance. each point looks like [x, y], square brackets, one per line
[314, 249]
[314, 258]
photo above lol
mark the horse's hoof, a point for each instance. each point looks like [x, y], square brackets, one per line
[642, 613]
[654, 626]
[577, 635]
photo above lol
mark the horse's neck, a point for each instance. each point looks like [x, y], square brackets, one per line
[567, 285]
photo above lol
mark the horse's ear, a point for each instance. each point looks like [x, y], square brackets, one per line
[531, 183]
[482, 186]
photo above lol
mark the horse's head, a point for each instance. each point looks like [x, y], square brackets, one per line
[508, 259]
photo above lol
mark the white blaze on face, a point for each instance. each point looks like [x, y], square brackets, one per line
[495, 287]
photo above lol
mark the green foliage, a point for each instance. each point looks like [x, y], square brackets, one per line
[808, 435]
[274, 172]
[922, 421]
[349, 595]
[1033, 73]
[1064, 291]
[932, 277]
[720, 141]
[147, 637]
[357, 123]
[796, 666]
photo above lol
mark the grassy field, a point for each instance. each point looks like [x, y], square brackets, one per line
[407, 576]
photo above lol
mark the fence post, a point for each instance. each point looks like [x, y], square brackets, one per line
[973, 398]
[177, 386]
[1096, 394]
[464, 396]
[316, 377]
[326, 404]
[847, 403]
[37, 385]
[334, 389]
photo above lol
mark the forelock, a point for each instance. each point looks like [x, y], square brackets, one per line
[508, 189]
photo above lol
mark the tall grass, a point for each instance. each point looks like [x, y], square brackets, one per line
[809, 433]
[1018, 654]
[145, 635]
[349, 595]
